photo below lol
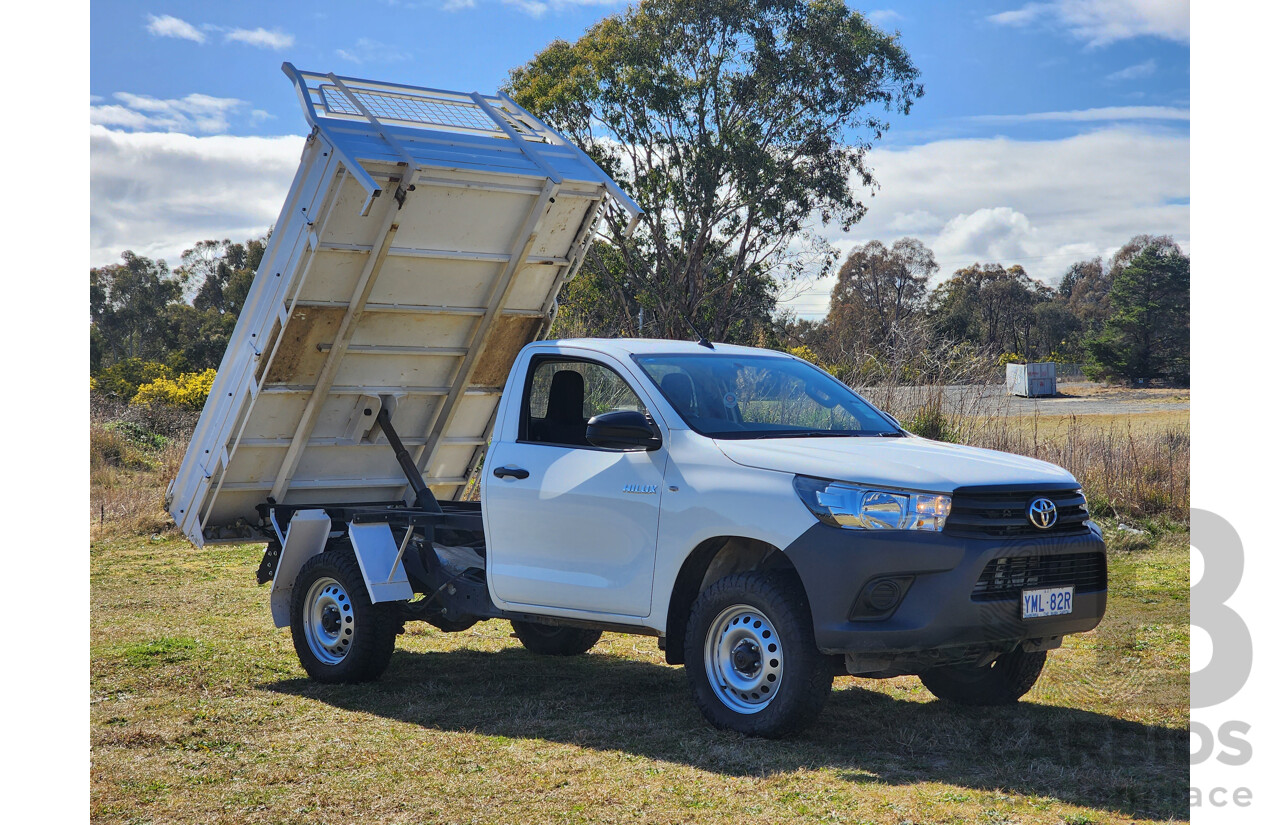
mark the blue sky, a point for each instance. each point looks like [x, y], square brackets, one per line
[1049, 131]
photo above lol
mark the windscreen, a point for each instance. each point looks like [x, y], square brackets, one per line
[761, 396]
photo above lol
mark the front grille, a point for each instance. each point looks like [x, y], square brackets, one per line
[1004, 514]
[1006, 578]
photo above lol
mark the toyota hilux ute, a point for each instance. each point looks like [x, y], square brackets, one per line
[767, 524]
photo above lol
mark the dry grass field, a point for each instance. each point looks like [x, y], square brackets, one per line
[200, 712]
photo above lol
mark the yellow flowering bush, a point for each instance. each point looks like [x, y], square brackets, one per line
[186, 392]
[806, 352]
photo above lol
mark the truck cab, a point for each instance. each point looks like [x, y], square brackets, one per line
[902, 555]
[766, 523]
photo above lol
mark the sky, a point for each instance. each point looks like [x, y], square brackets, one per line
[1049, 132]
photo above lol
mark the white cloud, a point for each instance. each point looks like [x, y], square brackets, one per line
[261, 38]
[372, 51]
[1135, 72]
[1100, 22]
[917, 220]
[458, 5]
[990, 234]
[1042, 204]
[158, 193]
[536, 8]
[193, 113]
[169, 26]
[882, 17]
[113, 115]
[1100, 114]
[533, 8]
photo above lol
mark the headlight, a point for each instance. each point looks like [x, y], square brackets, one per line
[845, 505]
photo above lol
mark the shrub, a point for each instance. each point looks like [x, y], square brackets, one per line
[139, 435]
[122, 379]
[186, 392]
[111, 447]
[930, 422]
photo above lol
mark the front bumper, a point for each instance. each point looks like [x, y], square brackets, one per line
[938, 573]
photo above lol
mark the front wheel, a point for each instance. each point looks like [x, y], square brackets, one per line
[1002, 682]
[339, 635]
[548, 640]
[750, 656]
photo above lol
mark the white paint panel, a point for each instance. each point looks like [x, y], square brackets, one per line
[306, 535]
[378, 554]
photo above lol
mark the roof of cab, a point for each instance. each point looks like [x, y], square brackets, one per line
[654, 346]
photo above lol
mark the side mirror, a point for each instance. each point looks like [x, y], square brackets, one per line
[623, 430]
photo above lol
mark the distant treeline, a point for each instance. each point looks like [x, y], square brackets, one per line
[166, 329]
[1126, 319]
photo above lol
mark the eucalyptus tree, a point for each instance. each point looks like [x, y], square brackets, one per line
[733, 123]
[878, 290]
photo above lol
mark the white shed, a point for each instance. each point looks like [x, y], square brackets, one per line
[1031, 380]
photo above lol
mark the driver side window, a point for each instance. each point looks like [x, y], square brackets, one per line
[563, 394]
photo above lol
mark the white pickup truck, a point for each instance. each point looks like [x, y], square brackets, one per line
[766, 523]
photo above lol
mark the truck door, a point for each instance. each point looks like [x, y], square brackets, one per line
[570, 525]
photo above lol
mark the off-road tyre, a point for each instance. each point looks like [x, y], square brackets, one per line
[339, 635]
[1003, 682]
[549, 640]
[750, 655]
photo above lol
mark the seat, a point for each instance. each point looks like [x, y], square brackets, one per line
[678, 388]
[563, 423]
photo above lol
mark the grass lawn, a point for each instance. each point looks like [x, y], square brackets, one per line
[1122, 424]
[200, 713]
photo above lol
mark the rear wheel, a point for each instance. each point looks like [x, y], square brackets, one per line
[338, 634]
[1002, 682]
[549, 640]
[750, 656]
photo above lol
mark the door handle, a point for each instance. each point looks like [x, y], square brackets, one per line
[511, 472]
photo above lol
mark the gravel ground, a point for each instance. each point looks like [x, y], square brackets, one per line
[1074, 398]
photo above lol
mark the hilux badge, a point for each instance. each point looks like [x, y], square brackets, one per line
[643, 489]
[1042, 513]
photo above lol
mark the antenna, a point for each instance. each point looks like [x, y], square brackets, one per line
[702, 339]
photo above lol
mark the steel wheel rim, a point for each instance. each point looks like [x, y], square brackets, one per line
[743, 659]
[328, 621]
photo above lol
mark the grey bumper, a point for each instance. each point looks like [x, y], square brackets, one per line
[937, 575]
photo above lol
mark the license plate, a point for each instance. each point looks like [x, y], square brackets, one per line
[1048, 601]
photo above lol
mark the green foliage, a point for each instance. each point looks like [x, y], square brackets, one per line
[127, 304]
[731, 123]
[139, 435]
[1127, 318]
[121, 380]
[879, 289]
[929, 421]
[1148, 334]
[143, 332]
[989, 305]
